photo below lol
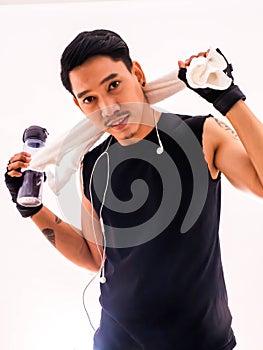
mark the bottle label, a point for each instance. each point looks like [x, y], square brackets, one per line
[30, 193]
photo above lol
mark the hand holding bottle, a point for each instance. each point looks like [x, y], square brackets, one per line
[25, 186]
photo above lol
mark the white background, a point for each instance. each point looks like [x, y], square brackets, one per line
[41, 292]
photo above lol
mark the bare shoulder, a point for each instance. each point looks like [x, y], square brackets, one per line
[215, 123]
[215, 133]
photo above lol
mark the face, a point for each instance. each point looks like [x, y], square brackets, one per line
[111, 97]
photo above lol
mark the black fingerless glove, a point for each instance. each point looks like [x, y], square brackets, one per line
[13, 184]
[222, 100]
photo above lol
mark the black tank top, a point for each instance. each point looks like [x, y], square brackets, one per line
[165, 286]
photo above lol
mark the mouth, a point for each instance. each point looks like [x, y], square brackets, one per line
[118, 123]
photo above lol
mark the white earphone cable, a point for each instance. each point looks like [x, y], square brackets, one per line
[160, 148]
[159, 151]
[103, 254]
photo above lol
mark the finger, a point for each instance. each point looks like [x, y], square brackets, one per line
[17, 164]
[188, 61]
[14, 173]
[181, 64]
[22, 156]
[202, 53]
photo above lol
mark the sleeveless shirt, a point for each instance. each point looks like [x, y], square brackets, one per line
[165, 287]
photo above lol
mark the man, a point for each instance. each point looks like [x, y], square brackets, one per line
[163, 286]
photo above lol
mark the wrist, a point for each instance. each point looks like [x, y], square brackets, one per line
[228, 99]
[27, 212]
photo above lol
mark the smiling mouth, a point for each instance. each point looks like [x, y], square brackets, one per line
[117, 122]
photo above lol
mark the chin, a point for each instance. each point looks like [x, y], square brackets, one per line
[125, 138]
[124, 135]
[128, 136]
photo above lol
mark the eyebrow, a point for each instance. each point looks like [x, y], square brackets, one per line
[109, 77]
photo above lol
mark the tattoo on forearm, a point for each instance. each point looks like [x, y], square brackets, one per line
[50, 235]
[227, 128]
[57, 220]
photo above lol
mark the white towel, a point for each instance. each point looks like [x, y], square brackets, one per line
[67, 151]
[208, 72]
[62, 158]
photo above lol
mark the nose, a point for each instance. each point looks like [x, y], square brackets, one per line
[109, 109]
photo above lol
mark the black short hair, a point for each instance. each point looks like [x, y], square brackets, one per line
[91, 43]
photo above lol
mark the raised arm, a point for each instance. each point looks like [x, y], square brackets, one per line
[236, 153]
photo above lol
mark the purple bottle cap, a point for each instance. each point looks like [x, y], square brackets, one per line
[35, 132]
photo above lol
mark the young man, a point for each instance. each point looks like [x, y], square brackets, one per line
[164, 286]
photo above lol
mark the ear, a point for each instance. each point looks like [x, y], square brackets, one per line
[138, 72]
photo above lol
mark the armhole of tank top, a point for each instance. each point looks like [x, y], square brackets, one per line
[202, 133]
[91, 155]
[82, 187]
[81, 178]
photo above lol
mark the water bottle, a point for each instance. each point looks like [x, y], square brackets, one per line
[30, 193]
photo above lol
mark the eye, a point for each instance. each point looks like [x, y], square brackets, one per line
[113, 85]
[88, 99]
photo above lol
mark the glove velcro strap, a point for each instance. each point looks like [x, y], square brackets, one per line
[227, 99]
[27, 212]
